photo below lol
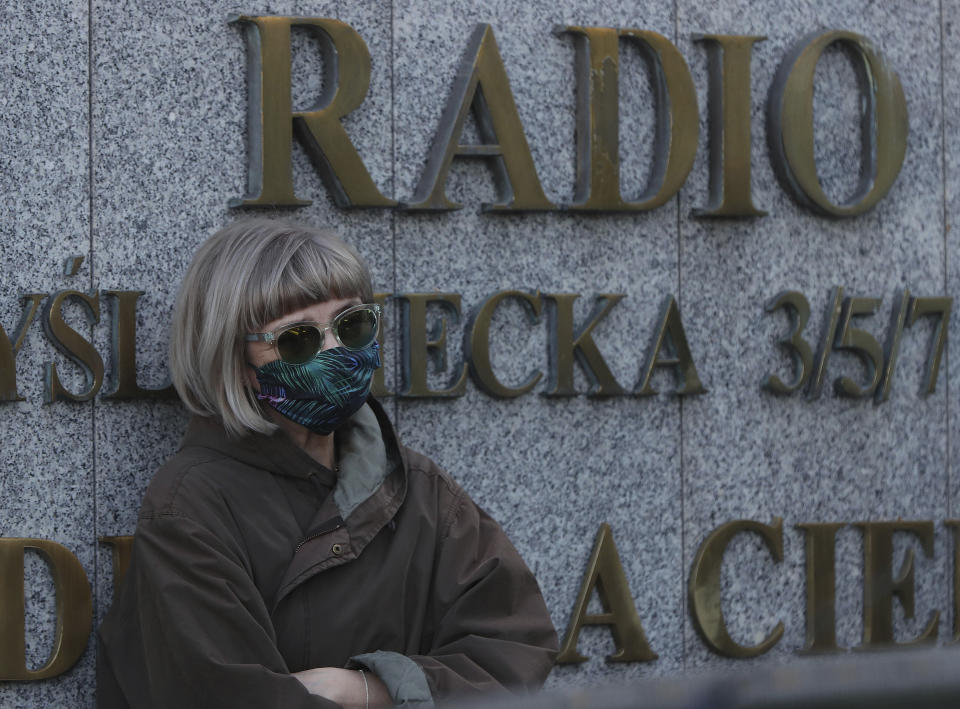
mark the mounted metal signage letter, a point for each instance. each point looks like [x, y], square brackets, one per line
[10, 346]
[706, 606]
[74, 609]
[671, 332]
[124, 365]
[73, 345]
[272, 120]
[481, 82]
[954, 526]
[820, 549]
[920, 307]
[565, 346]
[880, 586]
[863, 344]
[598, 123]
[417, 350]
[790, 125]
[798, 309]
[605, 573]
[730, 134]
[476, 344]
[122, 548]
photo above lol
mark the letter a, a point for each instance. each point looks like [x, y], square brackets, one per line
[605, 573]
[483, 84]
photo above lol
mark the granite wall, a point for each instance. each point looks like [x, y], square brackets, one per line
[125, 137]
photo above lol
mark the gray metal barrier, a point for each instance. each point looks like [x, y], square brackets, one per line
[915, 679]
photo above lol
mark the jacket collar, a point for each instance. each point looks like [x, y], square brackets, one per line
[362, 459]
[366, 448]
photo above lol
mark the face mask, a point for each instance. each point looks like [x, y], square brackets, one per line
[323, 393]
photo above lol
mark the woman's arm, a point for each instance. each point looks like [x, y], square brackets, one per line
[191, 628]
[492, 629]
[487, 625]
[351, 689]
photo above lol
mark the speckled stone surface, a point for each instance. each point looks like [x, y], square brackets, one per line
[748, 454]
[168, 135]
[551, 470]
[46, 462]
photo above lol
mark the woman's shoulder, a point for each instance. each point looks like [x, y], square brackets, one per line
[421, 468]
[426, 480]
[212, 469]
[191, 478]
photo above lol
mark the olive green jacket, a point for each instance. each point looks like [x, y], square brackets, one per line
[245, 569]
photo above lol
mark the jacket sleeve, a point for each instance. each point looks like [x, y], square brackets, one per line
[491, 631]
[192, 629]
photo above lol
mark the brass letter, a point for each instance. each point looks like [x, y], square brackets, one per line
[879, 585]
[379, 386]
[477, 345]
[820, 548]
[790, 129]
[564, 346]
[730, 141]
[9, 347]
[954, 525]
[74, 609]
[681, 359]
[863, 343]
[272, 120]
[122, 551]
[830, 321]
[124, 365]
[898, 319]
[605, 573]
[72, 344]
[598, 120]
[798, 308]
[705, 603]
[482, 82]
[417, 349]
[933, 306]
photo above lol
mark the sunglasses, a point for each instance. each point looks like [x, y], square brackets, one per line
[297, 343]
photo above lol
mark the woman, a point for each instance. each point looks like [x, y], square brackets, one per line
[292, 553]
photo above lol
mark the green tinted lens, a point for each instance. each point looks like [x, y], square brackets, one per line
[357, 329]
[299, 344]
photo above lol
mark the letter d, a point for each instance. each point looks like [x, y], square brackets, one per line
[74, 609]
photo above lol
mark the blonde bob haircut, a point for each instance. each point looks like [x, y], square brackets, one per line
[244, 276]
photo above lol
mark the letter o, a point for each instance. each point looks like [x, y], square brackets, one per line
[790, 128]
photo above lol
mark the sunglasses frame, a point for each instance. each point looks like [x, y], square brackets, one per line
[272, 337]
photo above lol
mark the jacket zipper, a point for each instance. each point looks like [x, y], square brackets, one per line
[331, 525]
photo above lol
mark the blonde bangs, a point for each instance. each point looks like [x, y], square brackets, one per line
[295, 273]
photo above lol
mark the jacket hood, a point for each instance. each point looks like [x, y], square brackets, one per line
[366, 453]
